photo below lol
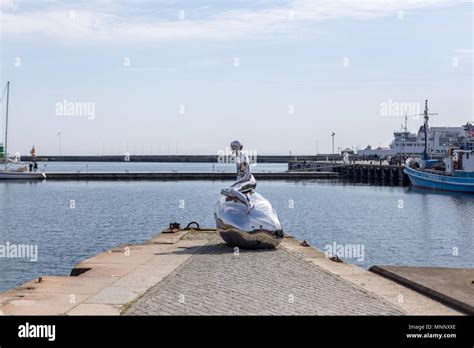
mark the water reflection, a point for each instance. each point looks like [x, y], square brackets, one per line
[425, 231]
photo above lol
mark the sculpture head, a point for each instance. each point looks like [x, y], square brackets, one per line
[236, 146]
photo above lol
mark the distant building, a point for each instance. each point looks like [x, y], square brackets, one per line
[348, 151]
[469, 134]
[379, 152]
[406, 143]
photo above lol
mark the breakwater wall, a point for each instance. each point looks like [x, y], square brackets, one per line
[174, 158]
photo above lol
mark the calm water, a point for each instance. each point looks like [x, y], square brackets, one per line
[423, 232]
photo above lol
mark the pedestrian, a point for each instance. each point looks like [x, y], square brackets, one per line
[31, 167]
[35, 166]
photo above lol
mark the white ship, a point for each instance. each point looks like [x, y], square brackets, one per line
[440, 139]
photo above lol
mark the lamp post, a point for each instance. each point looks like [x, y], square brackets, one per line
[333, 134]
[59, 143]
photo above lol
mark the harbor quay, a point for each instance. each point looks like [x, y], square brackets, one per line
[191, 271]
[373, 174]
[178, 176]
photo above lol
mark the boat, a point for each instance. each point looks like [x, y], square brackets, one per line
[406, 143]
[457, 180]
[454, 173]
[9, 172]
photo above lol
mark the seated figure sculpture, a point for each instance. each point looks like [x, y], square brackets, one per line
[244, 218]
[246, 183]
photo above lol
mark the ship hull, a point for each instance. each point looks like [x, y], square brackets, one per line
[440, 182]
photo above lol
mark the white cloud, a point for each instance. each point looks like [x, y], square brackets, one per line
[115, 22]
[7, 4]
[468, 51]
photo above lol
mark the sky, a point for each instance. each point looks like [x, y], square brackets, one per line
[177, 77]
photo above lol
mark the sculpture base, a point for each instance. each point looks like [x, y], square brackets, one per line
[245, 240]
[258, 229]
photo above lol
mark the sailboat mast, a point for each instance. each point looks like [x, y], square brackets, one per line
[6, 126]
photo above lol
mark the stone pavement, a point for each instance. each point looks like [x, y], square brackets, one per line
[192, 272]
[216, 281]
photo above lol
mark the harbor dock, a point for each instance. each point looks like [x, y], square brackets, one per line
[363, 172]
[192, 272]
[392, 175]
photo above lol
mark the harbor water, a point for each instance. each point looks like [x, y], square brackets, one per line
[70, 221]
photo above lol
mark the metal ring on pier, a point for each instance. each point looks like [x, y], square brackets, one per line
[191, 223]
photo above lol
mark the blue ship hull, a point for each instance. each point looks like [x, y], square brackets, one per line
[464, 182]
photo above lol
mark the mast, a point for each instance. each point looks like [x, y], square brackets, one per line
[426, 114]
[404, 136]
[425, 152]
[6, 126]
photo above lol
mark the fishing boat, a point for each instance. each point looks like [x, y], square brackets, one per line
[454, 173]
[14, 169]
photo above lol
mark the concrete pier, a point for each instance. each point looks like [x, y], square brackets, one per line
[175, 176]
[192, 272]
[452, 286]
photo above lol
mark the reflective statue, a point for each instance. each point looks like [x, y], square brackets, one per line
[244, 218]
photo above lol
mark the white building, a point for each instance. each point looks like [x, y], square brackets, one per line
[380, 152]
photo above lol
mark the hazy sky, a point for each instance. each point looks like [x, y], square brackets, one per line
[188, 77]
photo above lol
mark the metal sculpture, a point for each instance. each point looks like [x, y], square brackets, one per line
[244, 218]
